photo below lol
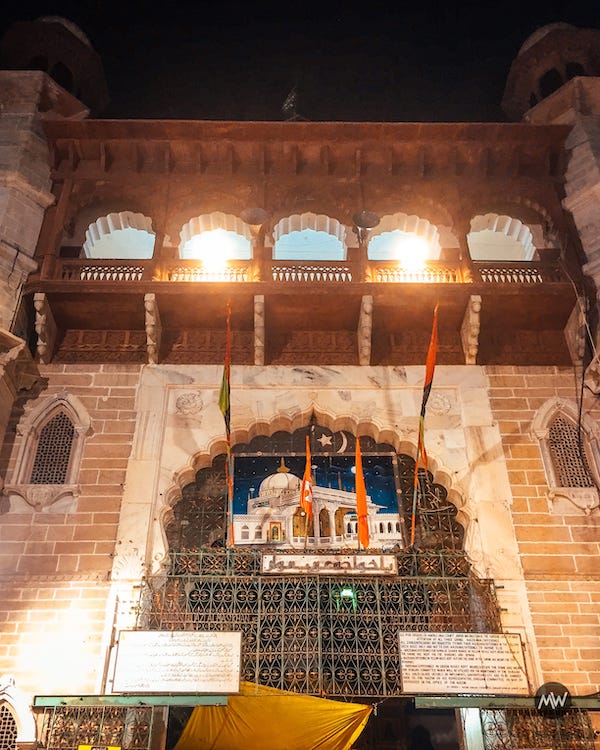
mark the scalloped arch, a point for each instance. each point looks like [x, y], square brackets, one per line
[320, 223]
[516, 232]
[412, 225]
[120, 235]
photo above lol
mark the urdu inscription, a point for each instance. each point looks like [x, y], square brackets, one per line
[330, 564]
[177, 662]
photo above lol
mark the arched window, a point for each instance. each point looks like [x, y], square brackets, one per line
[124, 235]
[48, 459]
[54, 449]
[245, 533]
[309, 237]
[570, 453]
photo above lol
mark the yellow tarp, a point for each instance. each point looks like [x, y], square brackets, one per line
[263, 718]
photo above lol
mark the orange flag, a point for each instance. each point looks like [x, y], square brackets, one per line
[306, 494]
[361, 500]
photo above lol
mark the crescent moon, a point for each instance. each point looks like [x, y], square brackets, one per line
[344, 444]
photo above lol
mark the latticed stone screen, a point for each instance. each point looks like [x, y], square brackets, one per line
[51, 464]
[568, 455]
[8, 729]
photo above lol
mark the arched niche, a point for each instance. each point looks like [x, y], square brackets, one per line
[214, 238]
[123, 235]
[570, 451]
[195, 511]
[309, 236]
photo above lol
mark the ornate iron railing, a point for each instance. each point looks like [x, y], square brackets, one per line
[515, 729]
[300, 633]
[67, 727]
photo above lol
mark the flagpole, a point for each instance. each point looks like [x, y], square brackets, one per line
[306, 493]
[421, 452]
[225, 407]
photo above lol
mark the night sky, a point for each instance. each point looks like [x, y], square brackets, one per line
[392, 61]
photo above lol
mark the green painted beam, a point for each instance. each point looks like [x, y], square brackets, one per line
[45, 701]
[495, 701]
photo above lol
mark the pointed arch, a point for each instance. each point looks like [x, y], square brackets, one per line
[570, 450]
[47, 465]
[16, 706]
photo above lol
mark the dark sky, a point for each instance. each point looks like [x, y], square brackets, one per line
[376, 61]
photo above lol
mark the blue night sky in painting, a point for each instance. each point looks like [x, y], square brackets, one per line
[335, 471]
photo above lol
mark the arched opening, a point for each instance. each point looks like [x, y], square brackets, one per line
[324, 524]
[410, 240]
[574, 69]
[215, 239]
[124, 235]
[494, 237]
[63, 76]
[550, 82]
[309, 237]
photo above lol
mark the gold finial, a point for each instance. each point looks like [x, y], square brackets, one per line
[282, 468]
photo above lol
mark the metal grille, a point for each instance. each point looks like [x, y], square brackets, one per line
[515, 729]
[67, 727]
[8, 729]
[51, 464]
[301, 634]
[568, 456]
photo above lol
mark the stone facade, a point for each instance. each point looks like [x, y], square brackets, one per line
[129, 353]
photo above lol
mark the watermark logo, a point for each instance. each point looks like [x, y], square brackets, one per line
[552, 698]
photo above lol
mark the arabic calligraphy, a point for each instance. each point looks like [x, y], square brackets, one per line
[330, 564]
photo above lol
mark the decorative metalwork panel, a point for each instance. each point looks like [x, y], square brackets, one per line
[315, 634]
[8, 729]
[513, 729]
[67, 727]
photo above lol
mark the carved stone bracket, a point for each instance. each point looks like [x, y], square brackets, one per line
[469, 330]
[574, 500]
[40, 497]
[259, 329]
[16, 363]
[153, 328]
[365, 330]
[45, 327]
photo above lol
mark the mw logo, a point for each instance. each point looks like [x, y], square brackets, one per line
[550, 700]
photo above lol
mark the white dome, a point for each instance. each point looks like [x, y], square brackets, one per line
[278, 483]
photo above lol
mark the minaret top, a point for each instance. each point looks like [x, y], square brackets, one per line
[549, 58]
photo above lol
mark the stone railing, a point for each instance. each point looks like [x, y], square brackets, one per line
[86, 270]
[433, 273]
[517, 272]
[301, 272]
[314, 272]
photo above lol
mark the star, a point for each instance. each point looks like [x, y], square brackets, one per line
[325, 440]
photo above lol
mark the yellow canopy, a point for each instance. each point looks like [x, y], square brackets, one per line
[263, 718]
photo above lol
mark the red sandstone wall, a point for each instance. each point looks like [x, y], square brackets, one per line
[560, 553]
[55, 567]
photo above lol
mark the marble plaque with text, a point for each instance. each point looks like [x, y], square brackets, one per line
[177, 662]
